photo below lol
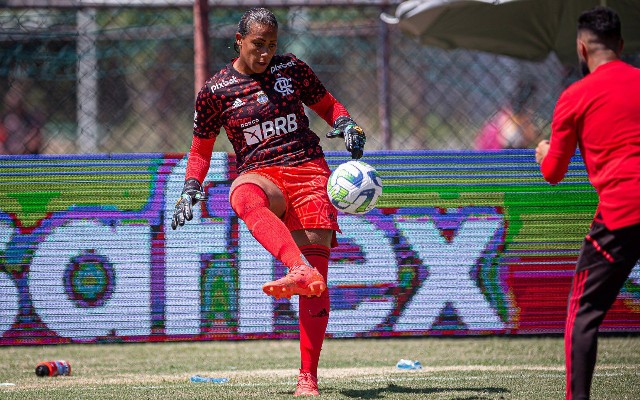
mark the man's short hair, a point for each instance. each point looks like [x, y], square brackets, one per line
[604, 23]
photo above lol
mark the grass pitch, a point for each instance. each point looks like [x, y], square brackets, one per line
[453, 368]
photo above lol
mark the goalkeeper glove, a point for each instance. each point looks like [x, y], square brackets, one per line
[191, 194]
[354, 137]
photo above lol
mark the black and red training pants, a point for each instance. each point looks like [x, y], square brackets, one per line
[604, 264]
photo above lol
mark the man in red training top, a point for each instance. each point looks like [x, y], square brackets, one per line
[601, 115]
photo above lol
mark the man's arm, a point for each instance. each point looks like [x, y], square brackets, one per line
[555, 155]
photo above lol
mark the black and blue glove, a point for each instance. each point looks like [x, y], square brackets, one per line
[191, 194]
[354, 137]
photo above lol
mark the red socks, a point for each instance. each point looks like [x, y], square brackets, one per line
[314, 312]
[251, 204]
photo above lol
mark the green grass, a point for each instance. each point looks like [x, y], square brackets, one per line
[454, 368]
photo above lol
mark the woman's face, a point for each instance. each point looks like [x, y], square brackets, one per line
[257, 48]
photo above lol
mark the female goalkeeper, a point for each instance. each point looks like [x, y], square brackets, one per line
[280, 192]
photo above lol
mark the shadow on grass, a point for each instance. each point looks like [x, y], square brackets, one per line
[381, 393]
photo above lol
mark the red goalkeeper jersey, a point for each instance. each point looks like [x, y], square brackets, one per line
[262, 114]
[601, 114]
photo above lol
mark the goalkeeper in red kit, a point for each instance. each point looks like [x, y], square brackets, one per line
[601, 115]
[281, 190]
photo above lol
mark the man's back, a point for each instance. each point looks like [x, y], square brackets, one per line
[603, 112]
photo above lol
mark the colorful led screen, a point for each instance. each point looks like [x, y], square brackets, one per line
[461, 243]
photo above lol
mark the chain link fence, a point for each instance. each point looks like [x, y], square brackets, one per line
[119, 78]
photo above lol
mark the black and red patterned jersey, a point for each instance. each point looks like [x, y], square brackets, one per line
[263, 114]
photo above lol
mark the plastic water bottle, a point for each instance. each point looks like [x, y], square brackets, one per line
[53, 368]
[198, 378]
[408, 364]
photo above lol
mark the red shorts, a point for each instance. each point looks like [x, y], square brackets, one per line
[304, 188]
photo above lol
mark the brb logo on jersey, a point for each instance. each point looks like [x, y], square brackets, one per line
[262, 131]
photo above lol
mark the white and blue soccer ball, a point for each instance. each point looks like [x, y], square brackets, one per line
[354, 187]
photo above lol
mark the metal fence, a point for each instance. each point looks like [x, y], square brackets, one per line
[119, 77]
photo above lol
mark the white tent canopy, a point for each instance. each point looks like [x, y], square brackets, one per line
[526, 29]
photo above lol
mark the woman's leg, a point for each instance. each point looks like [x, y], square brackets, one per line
[314, 311]
[260, 204]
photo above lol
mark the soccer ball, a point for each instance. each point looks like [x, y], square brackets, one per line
[354, 187]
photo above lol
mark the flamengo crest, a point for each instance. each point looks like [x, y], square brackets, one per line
[283, 86]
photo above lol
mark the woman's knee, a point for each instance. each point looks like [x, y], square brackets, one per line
[305, 237]
[247, 186]
[247, 197]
